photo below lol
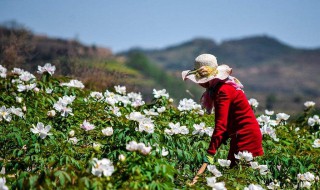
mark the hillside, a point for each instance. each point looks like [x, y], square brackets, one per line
[97, 67]
[279, 76]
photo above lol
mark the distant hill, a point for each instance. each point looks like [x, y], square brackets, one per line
[97, 67]
[281, 77]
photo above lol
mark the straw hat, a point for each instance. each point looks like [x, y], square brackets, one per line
[213, 70]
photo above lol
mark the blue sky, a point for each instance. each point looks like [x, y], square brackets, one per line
[123, 24]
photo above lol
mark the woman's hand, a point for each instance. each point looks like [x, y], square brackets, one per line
[204, 71]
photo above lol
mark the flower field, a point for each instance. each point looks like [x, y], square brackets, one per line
[55, 134]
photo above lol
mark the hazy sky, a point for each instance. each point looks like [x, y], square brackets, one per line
[122, 24]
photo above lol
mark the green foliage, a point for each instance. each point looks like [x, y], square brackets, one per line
[55, 162]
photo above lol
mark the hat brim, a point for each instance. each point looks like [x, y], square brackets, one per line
[222, 74]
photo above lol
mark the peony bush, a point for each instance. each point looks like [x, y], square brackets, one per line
[55, 134]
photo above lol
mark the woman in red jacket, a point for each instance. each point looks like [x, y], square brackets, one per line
[234, 117]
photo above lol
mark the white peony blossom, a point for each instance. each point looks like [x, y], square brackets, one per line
[107, 131]
[87, 126]
[309, 104]
[282, 117]
[103, 166]
[224, 163]
[120, 89]
[5, 114]
[26, 76]
[73, 140]
[3, 72]
[213, 169]
[16, 111]
[161, 109]
[188, 105]
[160, 93]
[73, 83]
[3, 182]
[316, 143]
[247, 156]
[27, 87]
[253, 103]
[47, 68]
[41, 130]
[267, 112]
[273, 186]
[176, 129]
[253, 187]
[164, 152]
[134, 146]
[212, 182]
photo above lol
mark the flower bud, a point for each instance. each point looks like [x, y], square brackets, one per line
[71, 133]
[24, 108]
[51, 113]
[36, 89]
[170, 100]
[18, 99]
[121, 157]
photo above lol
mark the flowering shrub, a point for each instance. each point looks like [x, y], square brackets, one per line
[58, 135]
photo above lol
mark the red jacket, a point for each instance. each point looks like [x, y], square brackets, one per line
[235, 119]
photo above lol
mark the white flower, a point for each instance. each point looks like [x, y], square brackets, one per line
[49, 90]
[16, 111]
[306, 177]
[309, 104]
[316, 143]
[306, 184]
[212, 182]
[254, 165]
[26, 76]
[199, 128]
[267, 112]
[160, 93]
[164, 152]
[282, 117]
[247, 156]
[120, 89]
[135, 116]
[97, 95]
[51, 113]
[314, 120]
[214, 170]
[107, 131]
[134, 146]
[87, 126]
[253, 187]
[151, 112]
[146, 150]
[263, 169]
[146, 126]
[103, 166]
[188, 105]
[273, 186]
[28, 87]
[73, 83]
[3, 182]
[161, 109]
[46, 68]
[73, 140]
[62, 104]
[116, 111]
[41, 130]
[5, 114]
[3, 72]
[17, 71]
[71, 133]
[176, 129]
[253, 103]
[224, 163]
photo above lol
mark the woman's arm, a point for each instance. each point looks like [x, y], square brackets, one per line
[222, 104]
